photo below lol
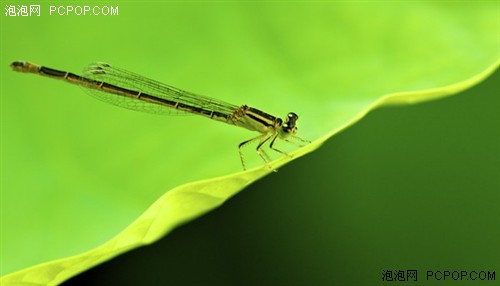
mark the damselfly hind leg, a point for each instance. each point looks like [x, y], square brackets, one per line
[265, 157]
[241, 153]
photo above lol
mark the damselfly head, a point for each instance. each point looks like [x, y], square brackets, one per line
[290, 125]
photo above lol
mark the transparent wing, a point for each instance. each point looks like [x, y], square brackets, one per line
[103, 72]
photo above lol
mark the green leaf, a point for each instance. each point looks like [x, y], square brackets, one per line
[83, 181]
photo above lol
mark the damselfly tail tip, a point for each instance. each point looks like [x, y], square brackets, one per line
[21, 66]
[15, 65]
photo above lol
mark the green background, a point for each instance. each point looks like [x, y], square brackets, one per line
[406, 188]
[76, 171]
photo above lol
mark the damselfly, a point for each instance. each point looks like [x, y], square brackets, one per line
[129, 90]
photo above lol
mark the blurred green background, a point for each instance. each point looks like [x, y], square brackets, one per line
[75, 171]
[407, 188]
